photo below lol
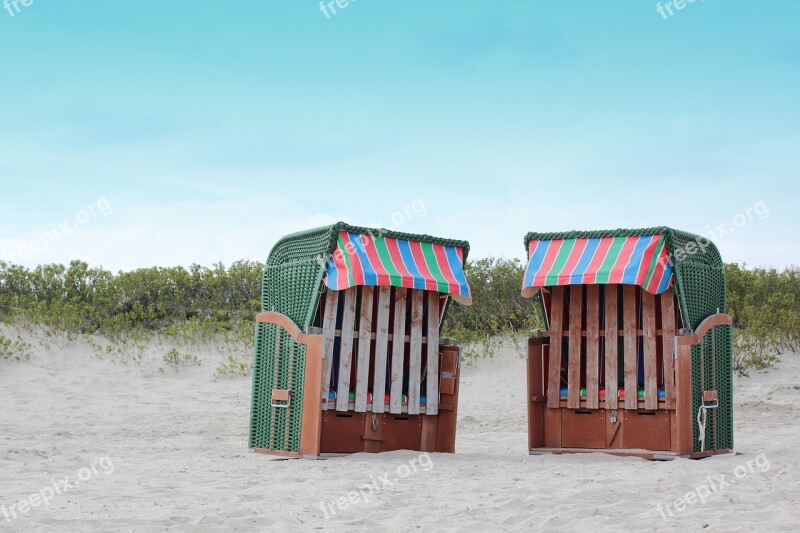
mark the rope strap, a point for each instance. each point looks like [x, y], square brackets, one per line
[702, 415]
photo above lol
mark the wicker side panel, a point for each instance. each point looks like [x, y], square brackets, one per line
[699, 277]
[279, 364]
[724, 348]
[263, 372]
[293, 290]
[717, 344]
[303, 246]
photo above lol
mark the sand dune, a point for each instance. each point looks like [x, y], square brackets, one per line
[167, 452]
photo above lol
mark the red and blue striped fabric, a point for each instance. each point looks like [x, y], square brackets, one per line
[634, 260]
[366, 259]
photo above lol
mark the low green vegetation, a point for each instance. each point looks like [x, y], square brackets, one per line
[765, 305]
[498, 311]
[177, 359]
[14, 349]
[120, 315]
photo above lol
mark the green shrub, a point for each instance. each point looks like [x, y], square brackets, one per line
[176, 360]
[232, 367]
[79, 300]
[765, 305]
[498, 310]
[14, 350]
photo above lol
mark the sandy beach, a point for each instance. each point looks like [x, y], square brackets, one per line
[115, 447]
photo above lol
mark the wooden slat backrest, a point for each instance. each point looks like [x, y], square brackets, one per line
[574, 365]
[432, 364]
[556, 326]
[650, 352]
[415, 352]
[328, 340]
[610, 344]
[592, 345]
[381, 349]
[398, 350]
[364, 345]
[346, 348]
[629, 317]
[375, 325]
[648, 331]
[667, 343]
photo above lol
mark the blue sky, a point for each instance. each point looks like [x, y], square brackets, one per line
[210, 129]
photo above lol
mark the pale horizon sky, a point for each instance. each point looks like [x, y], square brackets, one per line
[168, 135]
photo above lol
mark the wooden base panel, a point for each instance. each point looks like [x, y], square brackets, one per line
[278, 453]
[346, 433]
[623, 452]
[629, 452]
[709, 453]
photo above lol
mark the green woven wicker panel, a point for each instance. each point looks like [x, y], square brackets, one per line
[716, 345]
[262, 382]
[276, 428]
[725, 385]
[293, 290]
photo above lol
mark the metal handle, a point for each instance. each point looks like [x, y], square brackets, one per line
[710, 399]
[281, 395]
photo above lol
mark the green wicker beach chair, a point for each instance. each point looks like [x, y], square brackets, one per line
[347, 351]
[637, 356]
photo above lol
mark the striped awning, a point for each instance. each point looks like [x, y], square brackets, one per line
[640, 260]
[370, 259]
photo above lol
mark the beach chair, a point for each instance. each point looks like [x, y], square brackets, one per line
[637, 356]
[348, 354]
